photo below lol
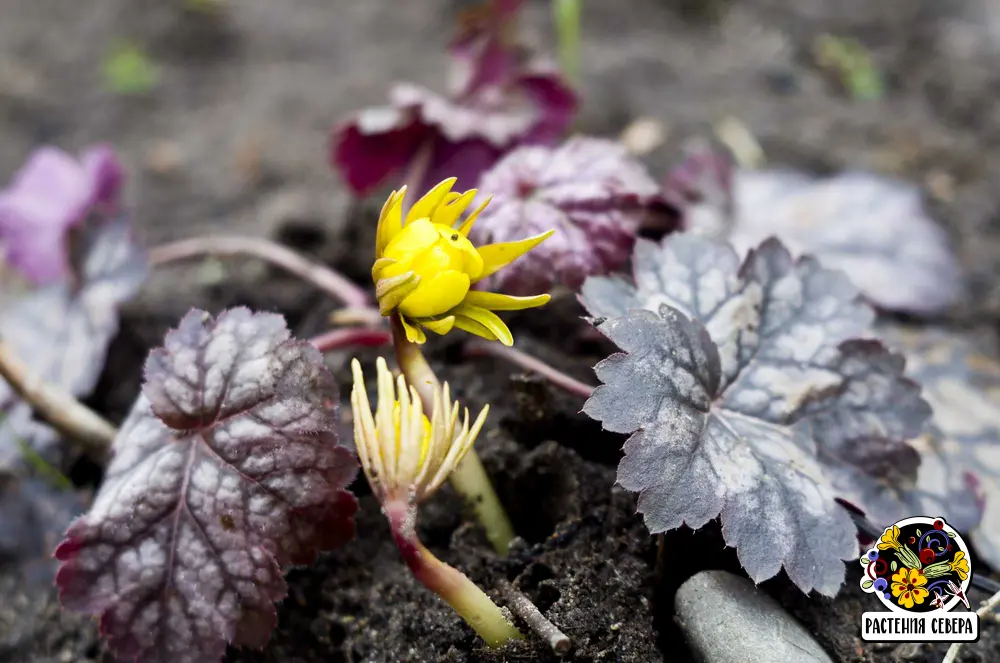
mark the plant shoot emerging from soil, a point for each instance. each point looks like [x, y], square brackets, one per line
[406, 457]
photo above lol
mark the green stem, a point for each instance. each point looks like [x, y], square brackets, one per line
[469, 479]
[471, 482]
[566, 16]
[470, 602]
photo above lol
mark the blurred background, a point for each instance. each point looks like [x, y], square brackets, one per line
[221, 110]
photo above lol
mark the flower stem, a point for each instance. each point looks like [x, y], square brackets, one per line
[321, 276]
[470, 602]
[469, 479]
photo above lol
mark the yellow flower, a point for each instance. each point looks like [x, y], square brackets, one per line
[889, 539]
[405, 455]
[908, 587]
[425, 266]
[960, 565]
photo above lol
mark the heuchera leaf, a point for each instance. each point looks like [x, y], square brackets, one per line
[960, 473]
[748, 395]
[52, 193]
[590, 190]
[62, 331]
[872, 227]
[497, 101]
[227, 469]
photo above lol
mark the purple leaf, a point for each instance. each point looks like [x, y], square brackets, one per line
[872, 227]
[52, 193]
[589, 190]
[498, 100]
[62, 331]
[227, 470]
[960, 473]
[747, 395]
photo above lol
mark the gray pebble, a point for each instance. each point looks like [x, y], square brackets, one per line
[726, 619]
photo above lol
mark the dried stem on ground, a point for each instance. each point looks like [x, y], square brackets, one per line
[533, 617]
[988, 606]
[324, 278]
[56, 406]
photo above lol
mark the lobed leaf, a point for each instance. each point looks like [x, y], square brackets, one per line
[498, 100]
[590, 190]
[748, 396]
[872, 227]
[227, 469]
[52, 193]
[63, 330]
[960, 474]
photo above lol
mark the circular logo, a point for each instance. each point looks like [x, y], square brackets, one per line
[919, 564]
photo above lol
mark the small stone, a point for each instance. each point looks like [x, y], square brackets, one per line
[727, 620]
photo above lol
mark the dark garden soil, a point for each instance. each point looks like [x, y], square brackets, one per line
[233, 140]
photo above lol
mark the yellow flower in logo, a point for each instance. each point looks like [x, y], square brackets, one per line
[960, 565]
[889, 539]
[425, 267]
[908, 587]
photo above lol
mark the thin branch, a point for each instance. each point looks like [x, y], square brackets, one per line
[56, 406]
[529, 363]
[533, 617]
[321, 276]
[984, 610]
[354, 336]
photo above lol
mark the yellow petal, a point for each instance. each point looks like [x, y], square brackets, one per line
[442, 326]
[436, 295]
[498, 256]
[390, 221]
[414, 334]
[413, 239]
[467, 225]
[487, 319]
[452, 207]
[494, 301]
[424, 208]
[390, 292]
[473, 327]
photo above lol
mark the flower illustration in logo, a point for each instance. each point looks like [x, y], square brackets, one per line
[908, 587]
[918, 565]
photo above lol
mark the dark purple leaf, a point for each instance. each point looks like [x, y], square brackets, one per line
[960, 472]
[498, 99]
[227, 470]
[62, 331]
[52, 193]
[872, 227]
[589, 190]
[746, 396]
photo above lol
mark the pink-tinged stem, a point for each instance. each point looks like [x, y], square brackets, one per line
[321, 276]
[529, 363]
[365, 337]
[470, 602]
